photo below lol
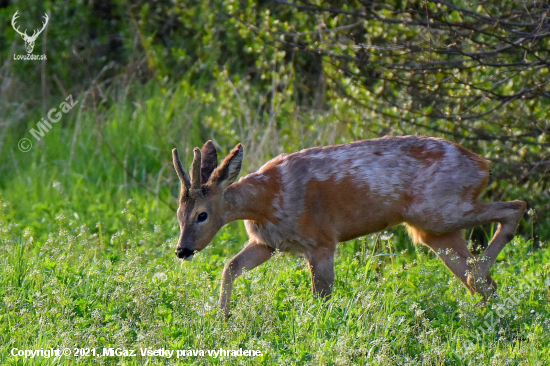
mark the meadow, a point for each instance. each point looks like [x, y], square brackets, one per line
[88, 228]
[88, 234]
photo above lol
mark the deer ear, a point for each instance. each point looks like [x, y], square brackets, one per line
[209, 160]
[229, 169]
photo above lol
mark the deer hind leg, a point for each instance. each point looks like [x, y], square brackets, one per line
[452, 250]
[508, 215]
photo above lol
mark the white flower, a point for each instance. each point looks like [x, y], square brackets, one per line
[160, 276]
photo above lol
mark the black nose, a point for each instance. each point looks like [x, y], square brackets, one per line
[184, 253]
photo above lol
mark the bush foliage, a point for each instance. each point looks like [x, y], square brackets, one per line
[280, 76]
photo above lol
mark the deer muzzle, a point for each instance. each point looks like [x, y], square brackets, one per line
[185, 253]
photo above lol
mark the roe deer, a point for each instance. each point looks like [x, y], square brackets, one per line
[308, 201]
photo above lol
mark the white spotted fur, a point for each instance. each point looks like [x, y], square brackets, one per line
[384, 175]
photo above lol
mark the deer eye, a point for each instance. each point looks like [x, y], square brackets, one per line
[202, 217]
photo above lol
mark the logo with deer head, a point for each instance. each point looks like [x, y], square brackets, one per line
[29, 40]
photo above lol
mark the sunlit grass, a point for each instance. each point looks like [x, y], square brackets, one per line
[87, 260]
[75, 290]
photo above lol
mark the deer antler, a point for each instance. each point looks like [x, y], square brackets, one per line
[34, 35]
[15, 16]
[196, 169]
[184, 178]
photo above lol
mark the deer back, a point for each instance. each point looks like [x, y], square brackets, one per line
[337, 193]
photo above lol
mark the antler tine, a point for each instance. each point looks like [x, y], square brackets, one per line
[45, 23]
[196, 169]
[184, 178]
[35, 34]
[13, 19]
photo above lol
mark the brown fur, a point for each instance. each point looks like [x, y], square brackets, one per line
[428, 157]
[335, 220]
[265, 186]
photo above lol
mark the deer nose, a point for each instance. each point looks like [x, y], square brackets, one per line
[185, 253]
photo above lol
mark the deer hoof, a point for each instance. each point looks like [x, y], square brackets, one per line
[485, 286]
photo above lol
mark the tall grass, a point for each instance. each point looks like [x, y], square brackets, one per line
[88, 231]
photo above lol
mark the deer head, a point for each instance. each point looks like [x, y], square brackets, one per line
[29, 40]
[201, 212]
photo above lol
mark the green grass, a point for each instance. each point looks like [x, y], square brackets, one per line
[87, 261]
[74, 290]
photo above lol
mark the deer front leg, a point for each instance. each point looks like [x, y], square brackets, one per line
[251, 256]
[321, 264]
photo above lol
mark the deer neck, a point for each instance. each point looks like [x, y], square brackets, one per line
[255, 198]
